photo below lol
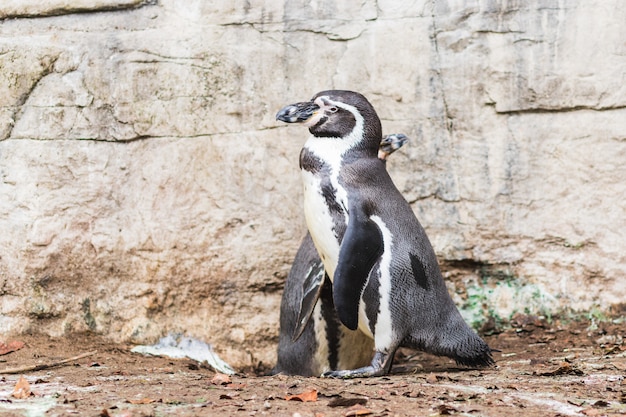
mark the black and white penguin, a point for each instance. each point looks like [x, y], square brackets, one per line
[315, 343]
[385, 275]
[390, 144]
[312, 340]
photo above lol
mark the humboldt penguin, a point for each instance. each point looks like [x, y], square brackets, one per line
[312, 340]
[385, 277]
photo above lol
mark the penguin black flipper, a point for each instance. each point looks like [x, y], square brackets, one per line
[311, 290]
[360, 249]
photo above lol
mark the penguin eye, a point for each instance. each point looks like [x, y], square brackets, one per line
[333, 109]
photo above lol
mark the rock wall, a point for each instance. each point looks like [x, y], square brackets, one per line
[145, 186]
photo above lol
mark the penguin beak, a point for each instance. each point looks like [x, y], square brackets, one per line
[298, 112]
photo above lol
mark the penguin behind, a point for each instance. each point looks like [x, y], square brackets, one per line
[312, 340]
[385, 275]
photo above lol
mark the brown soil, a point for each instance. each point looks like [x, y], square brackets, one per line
[542, 370]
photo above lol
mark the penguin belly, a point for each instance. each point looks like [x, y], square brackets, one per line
[320, 222]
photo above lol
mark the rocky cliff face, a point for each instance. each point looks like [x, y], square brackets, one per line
[145, 186]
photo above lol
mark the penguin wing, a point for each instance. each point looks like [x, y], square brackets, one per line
[360, 249]
[311, 290]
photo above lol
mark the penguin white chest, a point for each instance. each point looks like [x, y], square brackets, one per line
[322, 189]
[320, 222]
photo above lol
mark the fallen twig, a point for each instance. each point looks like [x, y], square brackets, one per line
[46, 365]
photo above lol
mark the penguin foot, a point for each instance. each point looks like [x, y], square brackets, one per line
[365, 372]
[381, 364]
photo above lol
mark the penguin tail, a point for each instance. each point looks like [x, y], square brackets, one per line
[475, 355]
[459, 342]
[467, 348]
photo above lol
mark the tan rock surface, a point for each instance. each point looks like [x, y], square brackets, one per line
[145, 186]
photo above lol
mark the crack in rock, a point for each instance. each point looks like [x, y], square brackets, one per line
[17, 107]
[34, 8]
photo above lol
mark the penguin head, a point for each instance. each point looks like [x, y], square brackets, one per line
[337, 114]
[390, 144]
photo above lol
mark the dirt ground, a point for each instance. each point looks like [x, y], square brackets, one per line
[543, 369]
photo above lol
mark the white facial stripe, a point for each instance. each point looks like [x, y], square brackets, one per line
[312, 121]
[384, 325]
[321, 101]
[356, 136]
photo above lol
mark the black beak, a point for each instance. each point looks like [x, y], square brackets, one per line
[296, 113]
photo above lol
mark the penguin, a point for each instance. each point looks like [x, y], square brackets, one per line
[312, 340]
[318, 343]
[390, 144]
[385, 276]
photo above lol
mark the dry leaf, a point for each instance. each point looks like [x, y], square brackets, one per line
[22, 389]
[304, 397]
[414, 394]
[592, 412]
[563, 369]
[358, 410]
[221, 379]
[10, 347]
[431, 378]
[142, 401]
